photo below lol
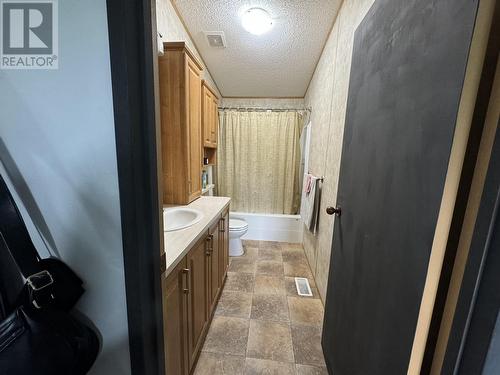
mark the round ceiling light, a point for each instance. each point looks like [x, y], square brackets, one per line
[256, 21]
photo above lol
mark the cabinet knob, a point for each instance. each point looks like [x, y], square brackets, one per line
[334, 210]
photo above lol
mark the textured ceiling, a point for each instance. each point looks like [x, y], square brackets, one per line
[279, 63]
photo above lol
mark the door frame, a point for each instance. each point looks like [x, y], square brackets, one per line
[133, 48]
[481, 268]
[481, 276]
[464, 192]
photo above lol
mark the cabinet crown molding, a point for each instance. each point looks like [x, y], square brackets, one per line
[182, 47]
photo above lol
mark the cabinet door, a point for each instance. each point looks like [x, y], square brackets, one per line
[225, 252]
[194, 127]
[223, 256]
[197, 301]
[207, 116]
[214, 285]
[175, 330]
[214, 121]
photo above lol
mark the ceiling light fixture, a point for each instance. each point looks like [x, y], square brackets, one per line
[256, 21]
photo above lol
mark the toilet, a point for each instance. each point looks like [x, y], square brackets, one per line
[237, 228]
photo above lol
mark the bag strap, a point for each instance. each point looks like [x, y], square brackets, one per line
[24, 253]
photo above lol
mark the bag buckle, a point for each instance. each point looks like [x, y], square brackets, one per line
[37, 282]
[40, 280]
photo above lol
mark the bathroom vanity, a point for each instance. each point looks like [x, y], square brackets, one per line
[197, 259]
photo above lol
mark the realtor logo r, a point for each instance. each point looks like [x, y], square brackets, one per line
[29, 34]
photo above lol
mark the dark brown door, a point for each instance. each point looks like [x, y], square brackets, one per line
[197, 301]
[406, 78]
[213, 253]
[175, 327]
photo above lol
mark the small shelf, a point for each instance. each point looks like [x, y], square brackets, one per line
[208, 188]
[211, 155]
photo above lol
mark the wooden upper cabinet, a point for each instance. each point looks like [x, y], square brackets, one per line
[210, 115]
[181, 131]
[215, 121]
[194, 111]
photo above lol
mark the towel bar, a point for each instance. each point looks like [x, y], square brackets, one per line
[319, 178]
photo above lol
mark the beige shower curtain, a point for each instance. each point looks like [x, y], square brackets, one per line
[258, 160]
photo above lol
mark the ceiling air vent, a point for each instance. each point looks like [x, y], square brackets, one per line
[216, 39]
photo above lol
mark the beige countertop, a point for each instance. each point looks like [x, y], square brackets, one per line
[178, 243]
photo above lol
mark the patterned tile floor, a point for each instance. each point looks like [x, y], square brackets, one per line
[261, 325]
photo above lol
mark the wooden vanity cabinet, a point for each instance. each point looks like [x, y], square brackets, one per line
[190, 295]
[198, 304]
[181, 128]
[210, 104]
[175, 320]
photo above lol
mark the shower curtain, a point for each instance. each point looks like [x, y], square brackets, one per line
[258, 160]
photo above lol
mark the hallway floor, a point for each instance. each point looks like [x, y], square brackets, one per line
[261, 325]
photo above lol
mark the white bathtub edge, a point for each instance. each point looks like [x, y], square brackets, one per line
[272, 227]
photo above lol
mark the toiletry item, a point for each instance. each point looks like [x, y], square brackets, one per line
[205, 161]
[204, 178]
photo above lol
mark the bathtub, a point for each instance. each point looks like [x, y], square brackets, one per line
[270, 227]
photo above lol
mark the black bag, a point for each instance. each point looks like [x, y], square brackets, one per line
[37, 334]
[50, 282]
[45, 342]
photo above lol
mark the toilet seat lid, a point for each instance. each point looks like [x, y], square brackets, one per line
[235, 224]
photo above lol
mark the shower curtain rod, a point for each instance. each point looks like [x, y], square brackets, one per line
[255, 109]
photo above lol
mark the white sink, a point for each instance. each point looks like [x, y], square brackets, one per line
[179, 218]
